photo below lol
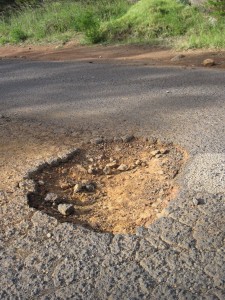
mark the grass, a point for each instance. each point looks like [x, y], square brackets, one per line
[164, 22]
[55, 20]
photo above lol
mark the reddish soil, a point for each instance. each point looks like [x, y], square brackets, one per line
[119, 200]
[120, 53]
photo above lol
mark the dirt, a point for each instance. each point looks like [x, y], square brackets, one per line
[113, 186]
[117, 53]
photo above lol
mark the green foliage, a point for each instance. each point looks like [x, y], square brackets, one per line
[55, 19]
[217, 7]
[18, 35]
[151, 19]
[168, 22]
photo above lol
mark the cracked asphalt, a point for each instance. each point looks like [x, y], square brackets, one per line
[49, 108]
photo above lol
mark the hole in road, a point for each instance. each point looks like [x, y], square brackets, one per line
[110, 186]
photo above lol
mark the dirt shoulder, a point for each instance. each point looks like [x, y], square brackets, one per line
[120, 53]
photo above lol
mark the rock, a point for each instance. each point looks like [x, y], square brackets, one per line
[51, 197]
[197, 201]
[97, 141]
[155, 152]
[112, 164]
[107, 170]
[209, 62]
[49, 235]
[91, 170]
[138, 162]
[127, 138]
[65, 209]
[164, 151]
[90, 187]
[177, 57]
[122, 167]
[78, 188]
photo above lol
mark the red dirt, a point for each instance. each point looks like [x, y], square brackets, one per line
[146, 55]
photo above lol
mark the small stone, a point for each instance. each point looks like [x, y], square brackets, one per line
[78, 188]
[138, 162]
[122, 167]
[197, 201]
[112, 165]
[49, 235]
[41, 182]
[155, 152]
[97, 141]
[164, 151]
[90, 187]
[127, 138]
[209, 62]
[51, 197]
[107, 170]
[91, 170]
[66, 209]
[160, 172]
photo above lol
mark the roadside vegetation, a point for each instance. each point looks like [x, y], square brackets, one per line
[172, 23]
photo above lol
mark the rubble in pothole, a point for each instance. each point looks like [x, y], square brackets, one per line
[110, 186]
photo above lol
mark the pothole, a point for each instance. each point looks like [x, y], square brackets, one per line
[111, 186]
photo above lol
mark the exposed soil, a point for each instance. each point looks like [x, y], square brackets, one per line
[113, 186]
[120, 53]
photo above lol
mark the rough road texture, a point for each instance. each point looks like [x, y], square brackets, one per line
[48, 109]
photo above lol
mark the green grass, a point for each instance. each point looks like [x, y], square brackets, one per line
[55, 20]
[165, 22]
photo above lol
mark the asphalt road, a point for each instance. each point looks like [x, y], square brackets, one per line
[181, 256]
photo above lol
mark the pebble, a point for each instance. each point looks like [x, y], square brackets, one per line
[90, 187]
[107, 170]
[49, 235]
[66, 209]
[77, 188]
[127, 138]
[51, 197]
[91, 170]
[97, 141]
[164, 151]
[155, 152]
[209, 62]
[113, 164]
[122, 167]
[197, 201]
[137, 162]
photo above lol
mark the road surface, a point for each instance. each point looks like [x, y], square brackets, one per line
[50, 107]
